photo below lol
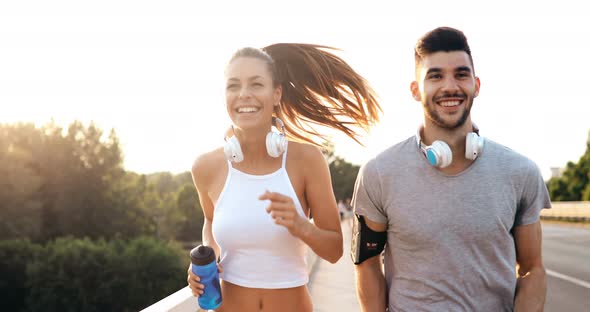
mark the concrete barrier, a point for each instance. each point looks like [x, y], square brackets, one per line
[568, 211]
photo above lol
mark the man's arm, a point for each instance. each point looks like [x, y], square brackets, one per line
[370, 281]
[531, 286]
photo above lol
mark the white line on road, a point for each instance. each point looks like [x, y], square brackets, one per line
[570, 279]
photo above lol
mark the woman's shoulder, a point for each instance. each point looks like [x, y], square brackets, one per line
[304, 151]
[306, 155]
[206, 164]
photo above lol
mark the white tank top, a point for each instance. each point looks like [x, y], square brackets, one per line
[256, 252]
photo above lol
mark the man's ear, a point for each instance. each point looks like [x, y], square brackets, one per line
[477, 84]
[415, 91]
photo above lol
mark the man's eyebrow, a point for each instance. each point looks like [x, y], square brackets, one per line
[433, 70]
[463, 68]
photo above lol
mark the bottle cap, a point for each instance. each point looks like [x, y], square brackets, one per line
[202, 255]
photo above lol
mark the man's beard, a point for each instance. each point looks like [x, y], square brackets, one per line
[435, 117]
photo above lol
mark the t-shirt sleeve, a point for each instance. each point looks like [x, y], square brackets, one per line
[367, 195]
[534, 198]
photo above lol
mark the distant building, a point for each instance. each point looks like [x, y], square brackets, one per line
[556, 172]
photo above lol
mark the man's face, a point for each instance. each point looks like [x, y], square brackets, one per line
[446, 85]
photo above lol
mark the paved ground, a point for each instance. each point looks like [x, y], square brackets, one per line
[566, 255]
[332, 285]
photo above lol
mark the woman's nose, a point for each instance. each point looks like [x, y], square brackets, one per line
[244, 92]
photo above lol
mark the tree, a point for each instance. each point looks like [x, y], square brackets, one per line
[20, 208]
[342, 172]
[574, 184]
[77, 167]
[56, 182]
[187, 201]
[343, 177]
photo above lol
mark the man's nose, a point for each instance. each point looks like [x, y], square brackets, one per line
[450, 84]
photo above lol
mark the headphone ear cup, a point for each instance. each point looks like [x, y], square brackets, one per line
[439, 154]
[473, 145]
[232, 150]
[276, 144]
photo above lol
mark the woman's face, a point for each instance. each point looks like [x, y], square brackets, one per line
[250, 94]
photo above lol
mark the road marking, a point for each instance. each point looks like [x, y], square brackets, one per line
[570, 279]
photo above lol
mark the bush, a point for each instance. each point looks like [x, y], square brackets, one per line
[71, 274]
[15, 255]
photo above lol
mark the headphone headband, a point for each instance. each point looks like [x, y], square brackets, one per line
[439, 154]
[419, 136]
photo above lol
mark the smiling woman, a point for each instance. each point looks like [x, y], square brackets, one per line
[253, 185]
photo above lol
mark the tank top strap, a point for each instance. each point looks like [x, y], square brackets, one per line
[285, 156]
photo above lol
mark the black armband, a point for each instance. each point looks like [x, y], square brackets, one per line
[365, 243]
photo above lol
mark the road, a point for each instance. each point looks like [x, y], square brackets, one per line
[566, 255]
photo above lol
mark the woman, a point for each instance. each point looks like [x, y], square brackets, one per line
[258, 191]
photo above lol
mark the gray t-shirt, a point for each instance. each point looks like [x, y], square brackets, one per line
[449, 238]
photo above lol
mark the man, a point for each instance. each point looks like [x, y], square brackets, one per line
[457, 212]
[341, 209]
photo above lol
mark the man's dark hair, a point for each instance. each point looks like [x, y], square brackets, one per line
[444, 39]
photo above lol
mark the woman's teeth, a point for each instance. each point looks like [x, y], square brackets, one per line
[247, 109]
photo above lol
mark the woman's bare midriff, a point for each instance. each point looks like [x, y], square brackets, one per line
[238, 298]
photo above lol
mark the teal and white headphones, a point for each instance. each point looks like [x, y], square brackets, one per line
[276, 143]
[439, 154]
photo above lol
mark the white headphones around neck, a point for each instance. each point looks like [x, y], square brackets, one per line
[276, 143]
[439, 154]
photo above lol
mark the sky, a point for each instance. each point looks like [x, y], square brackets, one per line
[153, 70]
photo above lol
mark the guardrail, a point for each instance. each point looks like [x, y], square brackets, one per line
[568, 211]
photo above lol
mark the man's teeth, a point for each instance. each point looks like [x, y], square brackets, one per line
[247, 109]
[450, 103]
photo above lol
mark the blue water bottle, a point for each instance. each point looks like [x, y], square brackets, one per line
[205, 267]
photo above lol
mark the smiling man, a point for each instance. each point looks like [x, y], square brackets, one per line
[457, 214]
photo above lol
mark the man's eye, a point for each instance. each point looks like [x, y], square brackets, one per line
[231, 87]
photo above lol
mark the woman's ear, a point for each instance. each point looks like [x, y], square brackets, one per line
[278, 93]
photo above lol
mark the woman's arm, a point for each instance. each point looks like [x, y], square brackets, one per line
[324, 235]
[201, 178]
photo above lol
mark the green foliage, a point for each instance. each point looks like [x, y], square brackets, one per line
[14, 257]
[187, 201]
[574, 184]
[343, 177]
[58, 182]
[20, 208]
[85, 275]
[342, 172]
